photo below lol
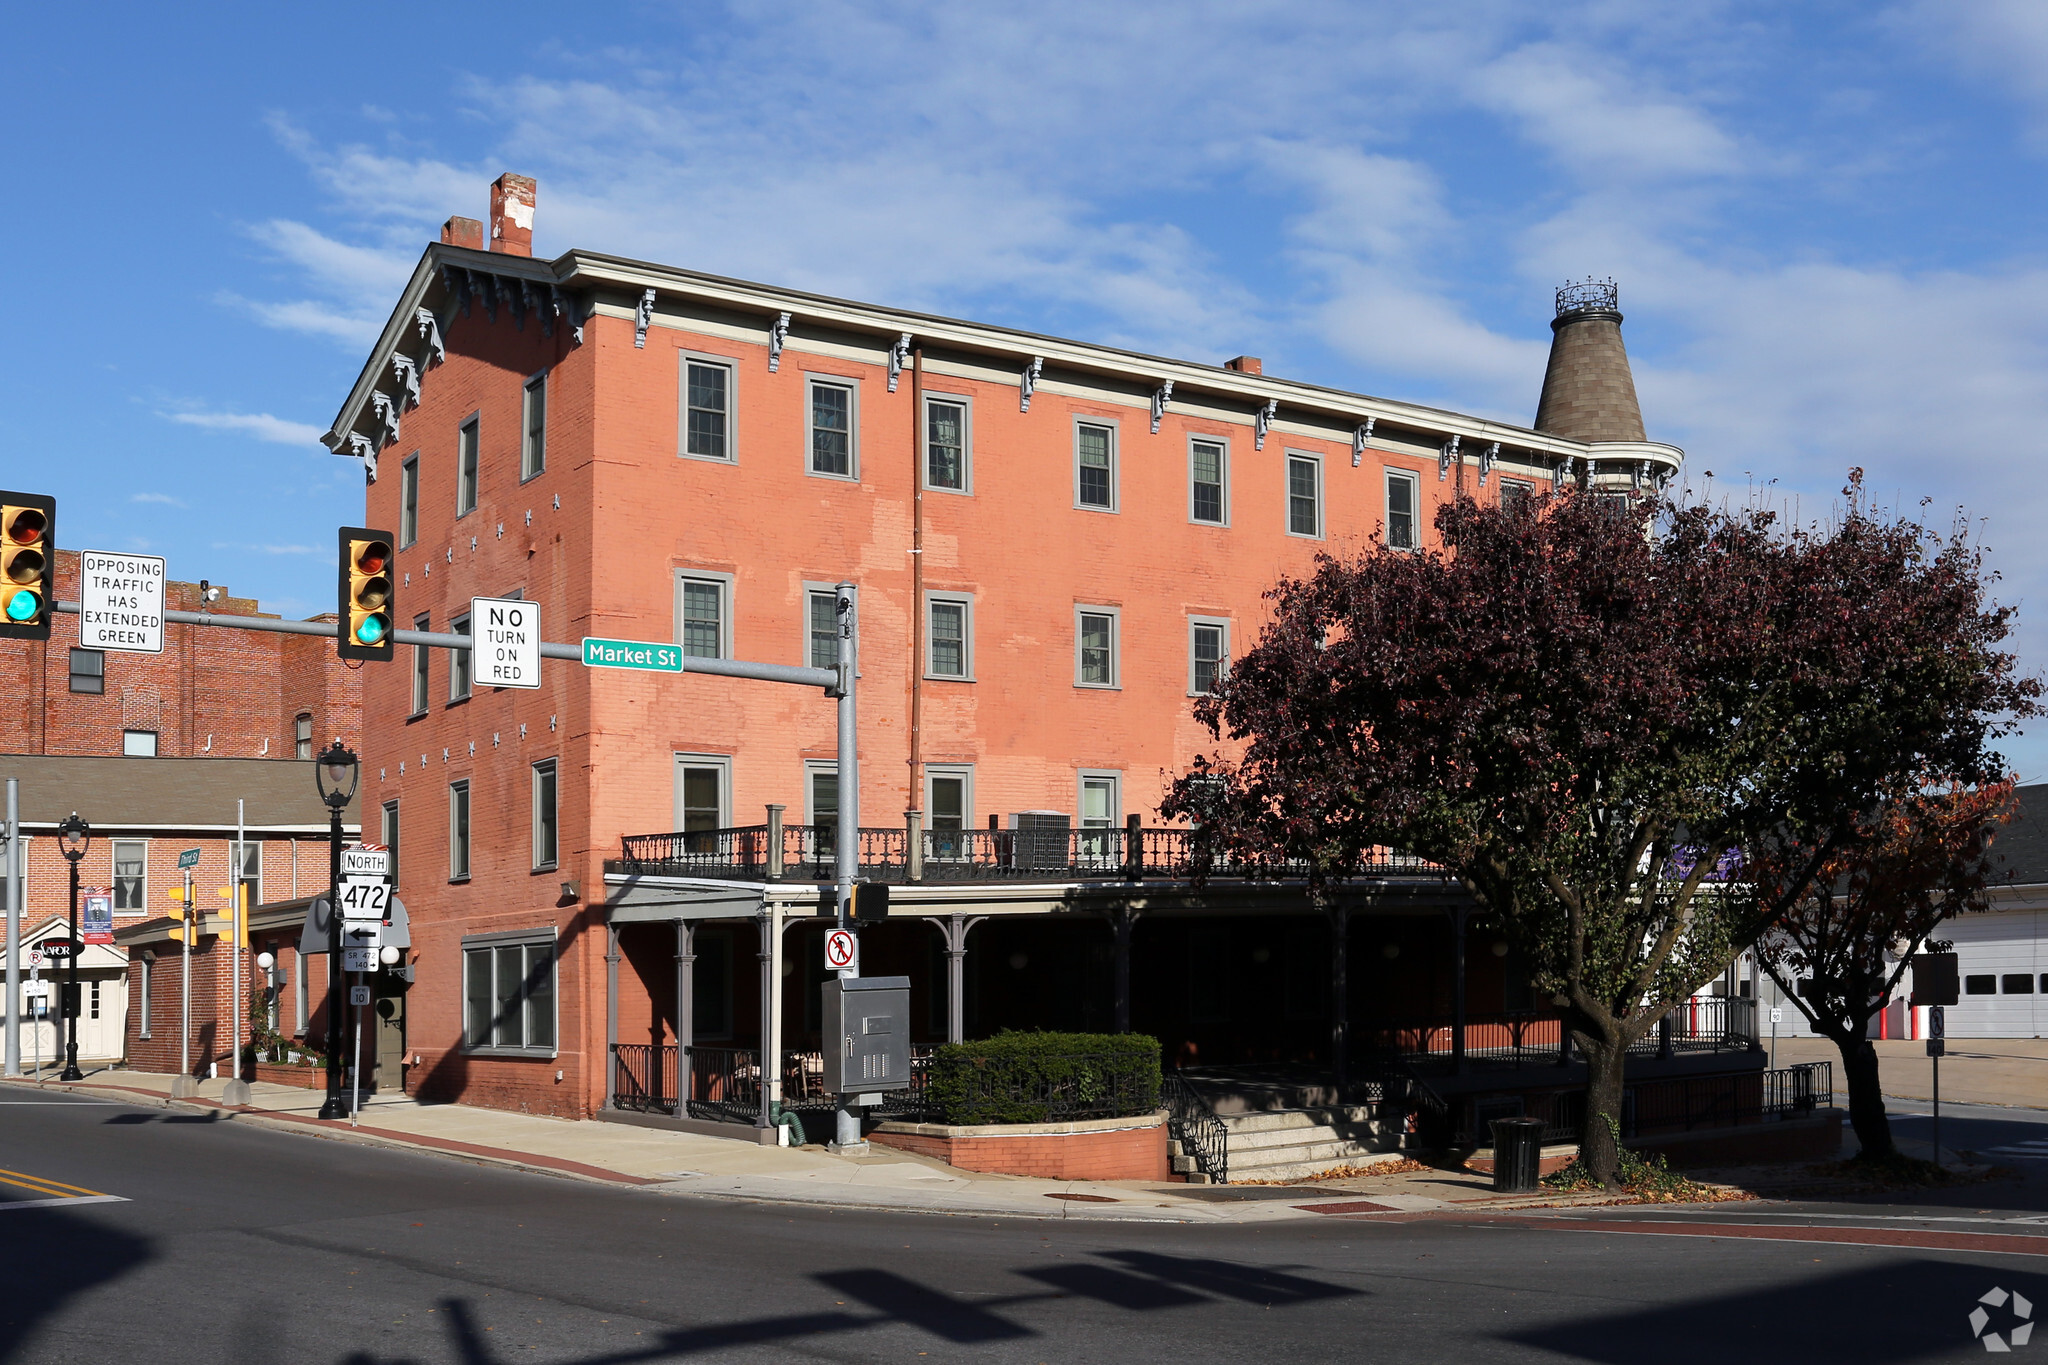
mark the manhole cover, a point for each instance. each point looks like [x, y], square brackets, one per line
[1238, 1194]
[1349, 1206]
[1084, 1198]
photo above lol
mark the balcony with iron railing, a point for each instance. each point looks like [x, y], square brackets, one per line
[785, 852]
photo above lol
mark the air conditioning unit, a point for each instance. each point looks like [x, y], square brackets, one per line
[1039, 840]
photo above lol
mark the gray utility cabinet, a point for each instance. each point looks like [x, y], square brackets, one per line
[867, 1034]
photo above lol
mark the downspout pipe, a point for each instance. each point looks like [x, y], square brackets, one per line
[917, 609]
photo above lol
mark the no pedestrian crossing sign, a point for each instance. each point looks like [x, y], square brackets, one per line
[506, 644]
[121, 602]
[640, 654]
[842, 950]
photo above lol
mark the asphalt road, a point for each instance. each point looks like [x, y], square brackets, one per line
[223, 1242]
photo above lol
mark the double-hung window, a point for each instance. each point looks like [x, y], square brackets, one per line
[1208, 462]
[458, 831]
[1095, 646]
[302, 735]
[461, 667]
[420, 655]
[409, 500]
[1208, 651]
[1514, 491]
[545, 828]
[252, 870]
[1401, 500]
[821, 628]
[533, 443]
[822, 781]
[949, 810]
[949, 636]
[703, 614]
[508, 991]
[1304, 495]
[130, 860]
[1095, 466]
[89, 672]
[387, 833]
[834, 422]
[466, 467]
[707, 408]
[1099, 815]
[948, 446]
[703, 782]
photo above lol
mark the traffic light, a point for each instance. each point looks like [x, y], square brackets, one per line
[28, 565]
[182, 914]
[366, 598]
[870, 902]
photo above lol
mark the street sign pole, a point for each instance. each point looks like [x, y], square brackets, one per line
[846, 1124]
[185, 980]
[11, 876]
[1937, 1043]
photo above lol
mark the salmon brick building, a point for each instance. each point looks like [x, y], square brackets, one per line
[1055, 546]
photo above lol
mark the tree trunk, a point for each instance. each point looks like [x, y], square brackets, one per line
[1866, 1095]
[1599, 1144]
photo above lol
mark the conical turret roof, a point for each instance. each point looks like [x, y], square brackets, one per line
[1588, 392]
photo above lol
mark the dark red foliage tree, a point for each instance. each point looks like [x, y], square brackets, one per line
[1842, 946]
[1576, 688]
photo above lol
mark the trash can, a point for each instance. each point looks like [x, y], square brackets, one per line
[1517, 1154]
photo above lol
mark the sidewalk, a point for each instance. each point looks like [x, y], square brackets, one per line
[2008, 1071]
[689, 1164]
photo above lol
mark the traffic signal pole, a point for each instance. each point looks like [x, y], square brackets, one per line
[846, 1121]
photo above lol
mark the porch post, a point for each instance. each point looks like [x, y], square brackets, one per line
[1340, 997]
[955, 930]
[611, 1015]
[1458, 993]
[774, 849]
[1121, 923]
[913, 831]
[686, 1010]
[768, 925]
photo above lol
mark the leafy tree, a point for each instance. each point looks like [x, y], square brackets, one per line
[1573, 690]
[1921, 859]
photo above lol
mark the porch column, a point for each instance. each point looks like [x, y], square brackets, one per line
[1340, 997]
[769, 923]
[686, 1010]
[1458, 991]
[1121, 924]
[954, 930]
[611, 1015]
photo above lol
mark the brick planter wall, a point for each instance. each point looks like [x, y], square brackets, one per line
[1818, 1138]
[279, 1073]
[1087, 1149]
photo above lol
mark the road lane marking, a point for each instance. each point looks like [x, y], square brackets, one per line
[66, 1200]
[43, 1185]
[1999, 1243]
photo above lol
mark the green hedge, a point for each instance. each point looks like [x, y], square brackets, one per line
[1044, 1078]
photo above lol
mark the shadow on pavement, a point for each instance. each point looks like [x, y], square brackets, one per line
[1904, 1311]
[50, 1256]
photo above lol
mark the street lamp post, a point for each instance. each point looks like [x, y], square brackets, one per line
[74, 836]
[335, 773]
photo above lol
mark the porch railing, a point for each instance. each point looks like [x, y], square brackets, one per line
[1689, 1103]
[1194, 1125]
[725, 1082]
[808, 853]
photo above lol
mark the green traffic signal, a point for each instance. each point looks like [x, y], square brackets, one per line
[23, 606]
[371, 630]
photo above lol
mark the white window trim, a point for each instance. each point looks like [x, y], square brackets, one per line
[474, 421]
[811, 381]
[924, 447]
[1115, 778]
[394, 809]
[724, 582]
[722, 762]
[421, 679]
[1223, 664]
[963, 771]
[241, 873]
[554, 767]
[966, 601]
[831, 590]
[1116, 646]
[514, 938]
[461, 669]
[539, 380]
[469, 841]
[301, 1005]
[145, 985]
[1224, 471]
[112, 864]
[1527, 486]
[1115, 462]
[156, 746]
[815, 767]
[1287, 494]
[409, 500]
[731, 366]
[1414, 481]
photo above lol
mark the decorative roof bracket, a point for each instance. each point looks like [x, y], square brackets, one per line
[1027, 383]
[516, 300]
[456, 280]
[1444, 458]
[1262, 422]
[430, 328]
[642, 315]
[487, 285]
[408, 375]
[1161, 396]
[1562, 474]
[1358, 440]
[898, 353]
[1486, 459]
[777, 334]
[565, 307]
[387, 413]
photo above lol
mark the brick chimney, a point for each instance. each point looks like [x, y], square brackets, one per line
[512, 199]
[1245, 364]
[1588, 392]
[463, 232]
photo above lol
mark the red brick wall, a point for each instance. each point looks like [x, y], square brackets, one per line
[1118, 1154]
[237, 691]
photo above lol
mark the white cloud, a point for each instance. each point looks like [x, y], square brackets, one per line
[164, 498]
[266, 549]
[260, 425]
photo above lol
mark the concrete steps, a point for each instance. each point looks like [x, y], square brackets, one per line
[1290, 1143]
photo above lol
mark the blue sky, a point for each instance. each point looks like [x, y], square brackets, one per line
[1825, 218]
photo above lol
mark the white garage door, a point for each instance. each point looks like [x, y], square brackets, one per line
[2002, 968]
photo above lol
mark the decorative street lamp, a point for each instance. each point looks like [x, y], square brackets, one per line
[335, 773]
[74, 837]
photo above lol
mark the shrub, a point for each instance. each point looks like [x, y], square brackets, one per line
[1045, 1077]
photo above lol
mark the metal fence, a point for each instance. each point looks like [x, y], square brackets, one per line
[1684, 1104]
[725, 1083]
[1194, 1125]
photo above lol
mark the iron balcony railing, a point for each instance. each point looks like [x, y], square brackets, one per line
[809, 853]
[1537, 1037]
